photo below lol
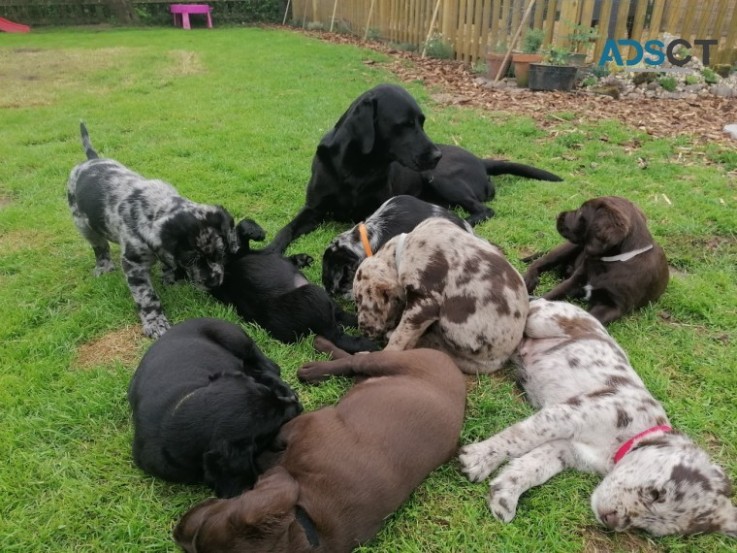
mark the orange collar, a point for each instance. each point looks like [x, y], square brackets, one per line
[364, 239]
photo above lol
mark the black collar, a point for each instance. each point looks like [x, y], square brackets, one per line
[308, 525]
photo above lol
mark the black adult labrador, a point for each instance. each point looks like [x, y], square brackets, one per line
[267, 288]
[206, 402]
[378, 149]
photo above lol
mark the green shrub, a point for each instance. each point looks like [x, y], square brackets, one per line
[668, 83]
[710, 77]
[436, 47]
[532, 41]
[691, 79]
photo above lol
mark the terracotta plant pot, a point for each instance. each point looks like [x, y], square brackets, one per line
[494, 62]
[522, 66]
[552, 77]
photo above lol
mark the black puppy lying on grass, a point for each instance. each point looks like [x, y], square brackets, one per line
[206, 402]
[267, 288]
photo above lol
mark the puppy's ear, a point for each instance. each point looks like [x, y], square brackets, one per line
[189, 525]
[608, 228]
[361, 125]
[227, 229]
[272, 499]
[355, 129]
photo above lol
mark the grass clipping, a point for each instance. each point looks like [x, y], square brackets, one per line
[119, 346]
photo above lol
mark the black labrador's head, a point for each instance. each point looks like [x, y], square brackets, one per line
[250, 414]
[384, 124]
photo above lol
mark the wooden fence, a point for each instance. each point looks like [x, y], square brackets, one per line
[473, 27]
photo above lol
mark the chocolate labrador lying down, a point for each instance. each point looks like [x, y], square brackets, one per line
[344, 468]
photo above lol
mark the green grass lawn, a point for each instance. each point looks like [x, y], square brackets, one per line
[232, 116]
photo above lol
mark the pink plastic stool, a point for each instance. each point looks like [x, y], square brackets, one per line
[183, 11]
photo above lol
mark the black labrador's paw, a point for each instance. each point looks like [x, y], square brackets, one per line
[301, 260]
[248, 229]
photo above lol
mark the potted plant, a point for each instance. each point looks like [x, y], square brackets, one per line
[580, 37]
[555, 72]
[531, 43]
[495, 58]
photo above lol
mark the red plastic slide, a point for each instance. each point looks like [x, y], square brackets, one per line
[10, 27]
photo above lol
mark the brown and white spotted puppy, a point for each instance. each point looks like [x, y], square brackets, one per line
[151, 222]
[441, 287]
[597, 416]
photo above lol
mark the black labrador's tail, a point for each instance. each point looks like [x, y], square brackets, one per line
[497, 167]
[86, 144]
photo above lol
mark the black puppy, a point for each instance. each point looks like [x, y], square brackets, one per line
[461, 179]
[378, 149]
[351, 166]
[206, 402]
[397, 215]
[267, 288]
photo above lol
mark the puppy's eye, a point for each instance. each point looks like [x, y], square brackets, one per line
[654, 495]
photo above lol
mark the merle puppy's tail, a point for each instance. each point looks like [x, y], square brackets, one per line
[86, 144]
[497, 167]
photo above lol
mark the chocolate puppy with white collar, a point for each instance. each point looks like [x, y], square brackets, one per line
[610, 259]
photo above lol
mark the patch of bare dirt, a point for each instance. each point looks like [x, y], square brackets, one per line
[4, 201]
[122, 345]
[702, 120]
[597, 540]
[17, 240]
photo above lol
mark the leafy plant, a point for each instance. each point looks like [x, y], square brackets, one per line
[532, 41]
[581, 35]
[500, 47]
[710, 76]
[437, 47]
[591, 80]
[668, 83]
[691, 79]
[479, 68]
[556, 55]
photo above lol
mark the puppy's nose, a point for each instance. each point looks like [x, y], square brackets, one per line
[610, 519]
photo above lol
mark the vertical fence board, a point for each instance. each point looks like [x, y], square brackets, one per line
[656, 20]
[550, 21]
[706, 14]
[728, 54]
[639, 22]
[605, 14]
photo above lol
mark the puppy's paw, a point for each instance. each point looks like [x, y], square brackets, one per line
[102, 267]
[502, 502]
[155, 327]
[302, 260]
[531, 281]
[311, 373]
[478, 461]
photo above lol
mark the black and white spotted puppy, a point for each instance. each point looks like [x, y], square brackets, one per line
[395, 216]
[150, 221]
[597, 416]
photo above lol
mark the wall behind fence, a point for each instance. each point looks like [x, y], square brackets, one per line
[473, 27]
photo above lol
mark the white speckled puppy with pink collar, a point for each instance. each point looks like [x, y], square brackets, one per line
[597, 416]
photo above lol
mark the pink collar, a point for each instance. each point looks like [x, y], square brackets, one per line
[629, 444]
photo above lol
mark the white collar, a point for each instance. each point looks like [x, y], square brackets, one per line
[399, 249]
[628, 255]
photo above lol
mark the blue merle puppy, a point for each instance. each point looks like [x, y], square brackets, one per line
[150, 221]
